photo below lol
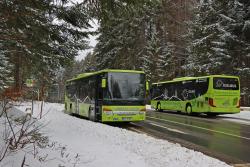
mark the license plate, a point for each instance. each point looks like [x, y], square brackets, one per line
[126, 118]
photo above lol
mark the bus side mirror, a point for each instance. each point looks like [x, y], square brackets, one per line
[104, 81]
[147, 86]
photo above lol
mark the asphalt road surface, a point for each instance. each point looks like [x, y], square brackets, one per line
[224, 140]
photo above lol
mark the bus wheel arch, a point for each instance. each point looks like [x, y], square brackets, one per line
[65, 106]
[189, 109]
[92, 115]
[158, 106]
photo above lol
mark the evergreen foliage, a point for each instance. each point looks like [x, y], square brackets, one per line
[218, 40]
[88, 63]
[40, 36]
[121, 37]
[134, 38]
[163, 61]
[207, 48]
[5, 71]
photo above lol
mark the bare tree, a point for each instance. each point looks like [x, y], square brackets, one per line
[20, 132]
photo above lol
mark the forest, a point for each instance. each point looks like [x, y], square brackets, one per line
[40, 39]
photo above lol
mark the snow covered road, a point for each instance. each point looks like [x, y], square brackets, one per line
[79, 142]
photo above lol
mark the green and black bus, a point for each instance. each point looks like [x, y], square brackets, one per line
[213, 95]
[108, 95]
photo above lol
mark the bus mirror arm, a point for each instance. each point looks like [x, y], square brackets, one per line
[104, 82]
[147, 86]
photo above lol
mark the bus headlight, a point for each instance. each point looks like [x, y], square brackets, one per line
[142, 111]
[107, 111]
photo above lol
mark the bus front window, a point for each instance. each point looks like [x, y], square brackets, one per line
[125, 86]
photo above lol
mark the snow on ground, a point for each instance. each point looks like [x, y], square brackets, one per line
[242, 117]
[149, 108]
[245, 108]
[79, 142]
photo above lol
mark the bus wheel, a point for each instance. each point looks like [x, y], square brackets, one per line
[92, 116]
[189, 109]
[158, 108]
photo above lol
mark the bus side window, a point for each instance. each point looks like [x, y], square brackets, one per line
[82, 91]
[171, 92]
[71, 90]
[201, 87]
[180, 91]
[158, 92]
[67, 90]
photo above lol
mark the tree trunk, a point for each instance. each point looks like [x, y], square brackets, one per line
[17, 75]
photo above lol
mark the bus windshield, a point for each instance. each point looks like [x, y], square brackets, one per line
[125, 86]
[226, 83]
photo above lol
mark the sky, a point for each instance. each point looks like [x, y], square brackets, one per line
[92, 42]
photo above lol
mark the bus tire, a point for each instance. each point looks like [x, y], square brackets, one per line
[158, 107]
[189, 109]
[92, 115]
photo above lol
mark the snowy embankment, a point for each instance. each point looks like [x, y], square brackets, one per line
[79, 142]
[242, 117]
[245, 108]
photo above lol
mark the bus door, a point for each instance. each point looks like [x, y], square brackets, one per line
[76, 97]
[77, 106]
[99, 97]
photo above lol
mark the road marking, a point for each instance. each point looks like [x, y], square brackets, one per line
[224, 133]
[170, 129]
[136, 130]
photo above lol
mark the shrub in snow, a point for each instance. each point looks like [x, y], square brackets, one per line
[20, 133]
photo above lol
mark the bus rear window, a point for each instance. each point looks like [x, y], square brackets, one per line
[226, 83]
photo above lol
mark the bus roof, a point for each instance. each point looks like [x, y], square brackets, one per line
[191, 78]
[84, 75]
[183, 78]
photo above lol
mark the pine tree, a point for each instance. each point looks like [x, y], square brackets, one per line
[236, 23]
[126, 41]
[88, 64]
[163, 61]
[217, 40]
[122, 36]
[40, 36]
[207, 48]
[5, 72]
[151, 50]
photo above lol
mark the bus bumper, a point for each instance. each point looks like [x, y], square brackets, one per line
[123, 114]
[223, 110]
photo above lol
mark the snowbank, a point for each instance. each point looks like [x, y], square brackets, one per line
[242, 117]
[79, 142]
[245, 108]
